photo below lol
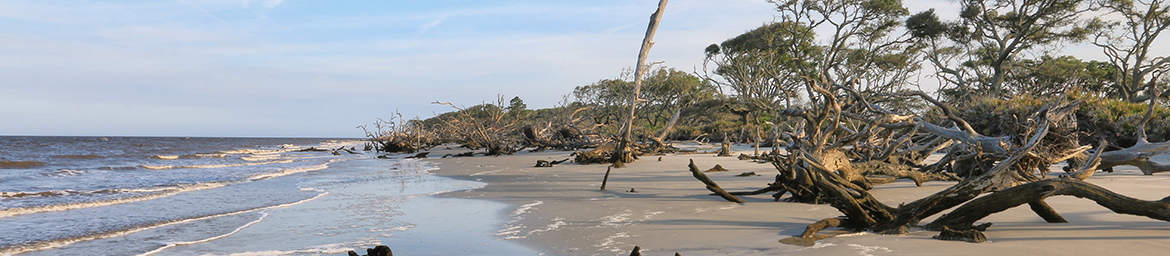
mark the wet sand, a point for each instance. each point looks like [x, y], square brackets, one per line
[561, 211]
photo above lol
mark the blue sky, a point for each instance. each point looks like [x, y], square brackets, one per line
[320, 68]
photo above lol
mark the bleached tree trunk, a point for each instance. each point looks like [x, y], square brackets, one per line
[623, 148]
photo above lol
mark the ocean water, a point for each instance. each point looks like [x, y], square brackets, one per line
[230, 196]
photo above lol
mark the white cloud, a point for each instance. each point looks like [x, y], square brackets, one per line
[423, 29]
[270, 4]
[161, 34]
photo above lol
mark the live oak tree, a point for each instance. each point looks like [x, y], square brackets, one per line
[758, 66]
[843, 144]
[1128, 43]
[974, 54]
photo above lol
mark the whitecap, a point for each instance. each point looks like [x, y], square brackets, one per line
[69, 241]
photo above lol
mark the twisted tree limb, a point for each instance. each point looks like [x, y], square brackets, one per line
[711, 184]
[965, 216]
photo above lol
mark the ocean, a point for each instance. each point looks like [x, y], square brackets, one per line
[231, 196]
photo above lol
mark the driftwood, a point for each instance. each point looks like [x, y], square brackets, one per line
[545, 163]
[623, 152]
[725, 148]
[605, 179]
[398, 135]
[1140, 153]
[604, 154]
[711, 184]
[717, 168]
[380, 250]
[828, 162]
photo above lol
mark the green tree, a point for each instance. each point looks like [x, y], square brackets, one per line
[863, 52]
[1128, 42]
[1051, 76]
[974, 54]
[761, 66]
[516, 107]
[665, 91]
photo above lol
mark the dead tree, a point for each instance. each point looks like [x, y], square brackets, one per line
[623, 153]
[398, 135]
[485, 126]
[826, 162]
[1139, 154]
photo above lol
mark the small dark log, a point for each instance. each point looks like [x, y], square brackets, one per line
[545, 163]
[970, 235]
[711, 184]
[812, 229]
[718, 168]
[380, 250]
[774, 187]
[637, 251]
[606, 179]
[420, 155]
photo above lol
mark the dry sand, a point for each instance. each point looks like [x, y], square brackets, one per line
[561, 211]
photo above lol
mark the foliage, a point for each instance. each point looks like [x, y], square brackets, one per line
[974, 54]
[664, 92]
[1127, 45]
[762, 67]
[1051, 76]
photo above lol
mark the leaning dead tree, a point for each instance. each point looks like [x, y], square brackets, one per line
[828, 163]
[623, 152]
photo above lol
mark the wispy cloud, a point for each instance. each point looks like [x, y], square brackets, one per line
[423, 29]
[204, 11]
[272, 3]
[171, 57]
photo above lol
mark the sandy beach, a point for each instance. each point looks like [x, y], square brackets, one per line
[657, 205]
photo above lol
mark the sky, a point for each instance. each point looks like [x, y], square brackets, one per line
[274, 68]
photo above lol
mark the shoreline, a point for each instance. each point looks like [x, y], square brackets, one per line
[560, 210]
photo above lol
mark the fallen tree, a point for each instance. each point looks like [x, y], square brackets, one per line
[827, 163]
[399, 135]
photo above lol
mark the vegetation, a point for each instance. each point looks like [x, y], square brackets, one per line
[844, 113]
